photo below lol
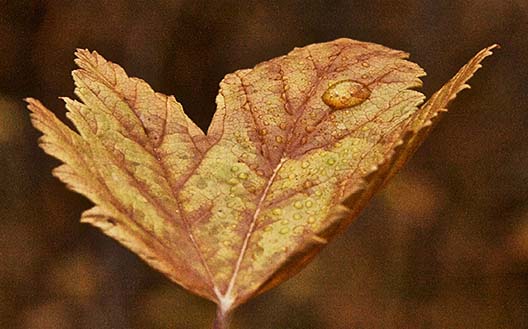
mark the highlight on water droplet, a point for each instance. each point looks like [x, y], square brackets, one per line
[345, 93]
[243, 175]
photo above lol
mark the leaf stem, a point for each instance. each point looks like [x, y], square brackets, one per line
[222, 319]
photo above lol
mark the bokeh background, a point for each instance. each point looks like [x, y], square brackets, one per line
[445, 245]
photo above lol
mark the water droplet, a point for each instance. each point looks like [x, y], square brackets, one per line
[283, 125]
[234, 169]
[284, 230]
[304, 140]
[311, 220]
[331, 161]
[365, 64]
[227, 243]
[276, 211]
[297, 216]
[298, 204]
[308, 203]
[263, 132]
[346, 93]
[243, 175]
[305, 164]
[307, 184]
[310, 129]
[285, 222]
[268, 228]
[318, 193]
[298, 230]
[279, 139]
[260, 172]
[233, 181]
[233, 226]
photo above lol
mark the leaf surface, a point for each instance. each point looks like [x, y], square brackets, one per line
[296, 148]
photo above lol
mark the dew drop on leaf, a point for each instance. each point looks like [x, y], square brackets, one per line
[310, 129]
[345, 93]
[298, 230]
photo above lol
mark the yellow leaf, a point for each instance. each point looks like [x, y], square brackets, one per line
[296, 148]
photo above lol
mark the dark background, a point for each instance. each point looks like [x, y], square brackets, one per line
[444, 246]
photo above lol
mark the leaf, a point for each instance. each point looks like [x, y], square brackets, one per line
[296, 148]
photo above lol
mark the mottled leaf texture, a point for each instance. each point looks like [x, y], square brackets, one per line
[296, 148]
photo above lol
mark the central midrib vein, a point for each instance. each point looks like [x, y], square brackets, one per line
[227, 298]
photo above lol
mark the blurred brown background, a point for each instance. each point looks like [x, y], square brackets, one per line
[444, 246]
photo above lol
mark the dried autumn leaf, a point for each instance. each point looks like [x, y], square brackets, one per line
[296, 148]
